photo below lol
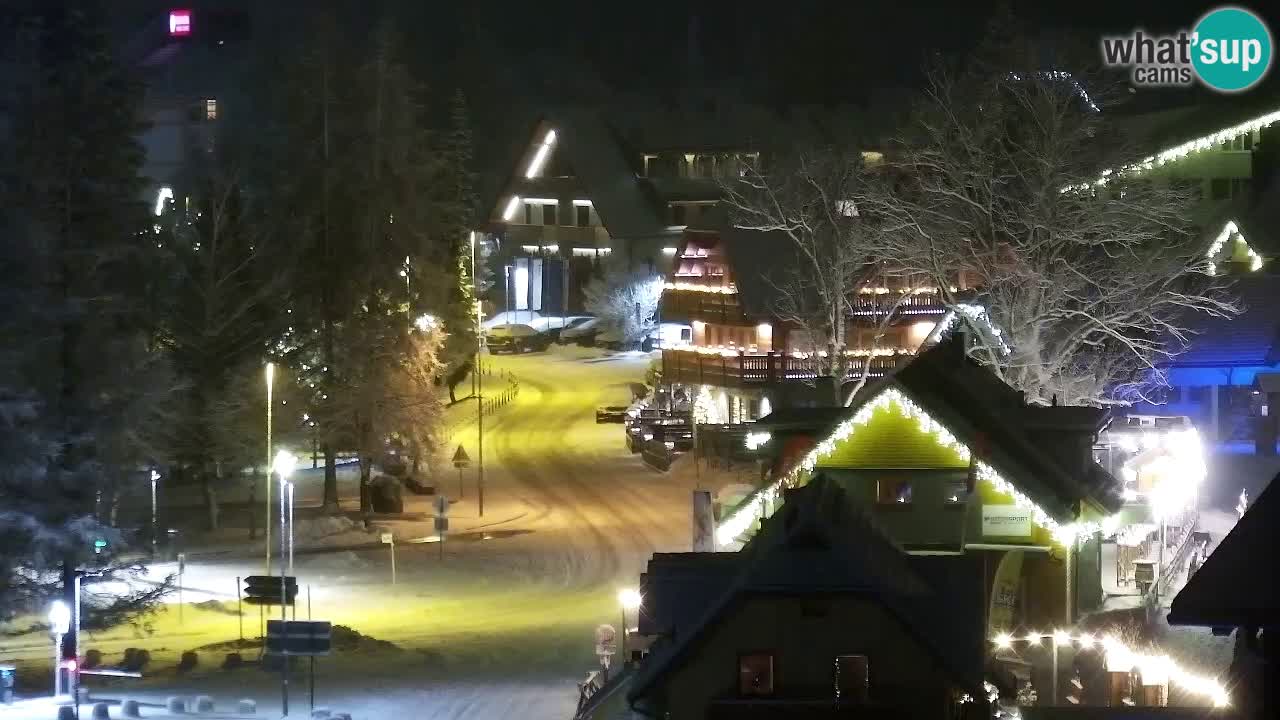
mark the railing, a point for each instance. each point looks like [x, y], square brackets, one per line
[704, 306]
[755, 369]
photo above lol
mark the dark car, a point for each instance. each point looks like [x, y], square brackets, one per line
[583, 333]
[611, 414]
[516, 339]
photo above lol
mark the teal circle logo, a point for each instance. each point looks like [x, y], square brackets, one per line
[1231, 49]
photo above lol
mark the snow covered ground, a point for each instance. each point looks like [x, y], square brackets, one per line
[501, 625]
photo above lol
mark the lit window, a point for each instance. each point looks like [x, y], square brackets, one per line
[211, 109]
[891, 491]
[853, 678]
[755, 674]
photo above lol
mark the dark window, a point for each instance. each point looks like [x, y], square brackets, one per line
[853, 678]
[584, 215]
[755, 674]
[548, 214]
[1192, 188]
[1219, 189]
[1198, 394]
[893, 491]
[957, 492]
[1239, 187]
[528, 213]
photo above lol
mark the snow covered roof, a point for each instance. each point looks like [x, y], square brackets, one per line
[822, 542]
[1250, 339]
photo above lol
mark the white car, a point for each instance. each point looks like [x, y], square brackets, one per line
[583, 333]
[512, 317]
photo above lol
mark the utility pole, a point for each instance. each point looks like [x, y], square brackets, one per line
[479, 385]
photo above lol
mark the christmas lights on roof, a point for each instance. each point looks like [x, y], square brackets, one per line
[741, 519]
[729, 289]
[1178, 152]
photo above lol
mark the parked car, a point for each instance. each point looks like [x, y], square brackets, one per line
[611, 414]
[556, 326]
[613, 340]
[583, 333]
[512, 317]
[516, 339]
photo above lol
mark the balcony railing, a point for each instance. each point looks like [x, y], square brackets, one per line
[757, 369]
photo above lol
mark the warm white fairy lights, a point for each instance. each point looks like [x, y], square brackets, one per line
[1155, 669]
[729, 289]
[1231, 232]
[750, 511]
[1178, 152]
[977, 314]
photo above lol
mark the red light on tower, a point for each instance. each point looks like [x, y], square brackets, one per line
[179, 23]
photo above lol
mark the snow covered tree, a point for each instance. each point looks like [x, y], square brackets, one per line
[626, 300]
[76, 371]
[810, 197]
[1086, 282]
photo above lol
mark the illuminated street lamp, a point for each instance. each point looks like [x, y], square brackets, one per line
[628, 599]
[155, 530]
[282, 466]
[59, 624]
[271, 372]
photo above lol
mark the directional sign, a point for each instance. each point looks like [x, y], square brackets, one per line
[387, 538]
[442, 506]
[460, 458]
[442, 524]
[299, 637]
[265, 590]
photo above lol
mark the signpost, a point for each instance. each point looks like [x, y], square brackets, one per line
[389, 540]
[303, 638]
[442, 519]
[461, 461]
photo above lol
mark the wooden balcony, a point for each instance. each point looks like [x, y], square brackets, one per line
[754, 369]
[690, 305]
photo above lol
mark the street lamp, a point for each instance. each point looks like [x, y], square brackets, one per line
[59, 624]
[282, 465]
[271, 371]
[628, 599]
[155, 530]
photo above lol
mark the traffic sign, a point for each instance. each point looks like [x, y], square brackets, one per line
[265, 590]
[299, 637]
[387, 538]
[460, 458]
[442, 524]
[442, 506]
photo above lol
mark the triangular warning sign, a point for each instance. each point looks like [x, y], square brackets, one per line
[460, 457]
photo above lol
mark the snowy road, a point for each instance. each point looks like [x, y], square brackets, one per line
[500, 625]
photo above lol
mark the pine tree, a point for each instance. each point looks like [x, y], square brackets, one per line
[76, 364]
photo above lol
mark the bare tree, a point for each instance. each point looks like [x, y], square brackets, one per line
[1087, 283]
[627, 300]
[841, 267]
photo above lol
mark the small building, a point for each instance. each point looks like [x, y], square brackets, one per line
[948, 459]
[820, 616]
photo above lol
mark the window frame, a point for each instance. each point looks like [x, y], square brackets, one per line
[773, 673]
[898, 482]
[835, 679]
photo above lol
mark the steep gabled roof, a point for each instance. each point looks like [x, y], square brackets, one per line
[822, 542]
[1249, 339]
[1238, 585]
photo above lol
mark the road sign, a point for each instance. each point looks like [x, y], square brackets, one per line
[299, 637]
[387, 538]
[265, 590]
[442, 524]
[460, 458]
[442, 506]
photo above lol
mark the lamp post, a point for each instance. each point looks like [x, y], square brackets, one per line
[628, 599]
[282, 466]
[271, 371]
[155, 530]
[59, 624]
[475, 373]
